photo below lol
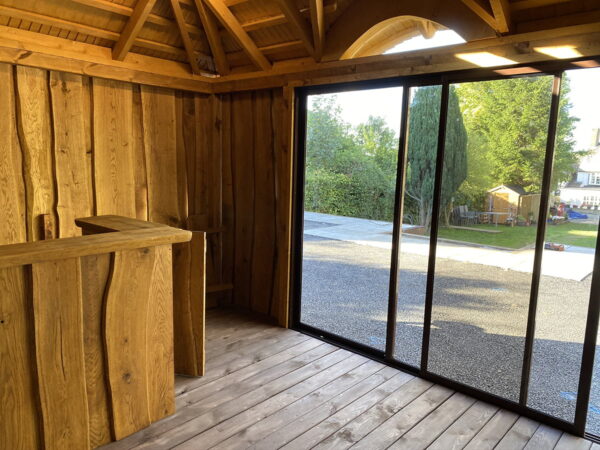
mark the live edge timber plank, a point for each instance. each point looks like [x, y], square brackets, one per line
[158, 113]
[18, 414]
[71, 165]
[189, 301]
[19, 417]
[58, 318]
[137, 352]
[114, 155]
[126, 340]
[35, 136]
[12, 189]
[160, 368]
[94, 276]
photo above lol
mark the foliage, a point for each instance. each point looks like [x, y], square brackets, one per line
[496, 134]
[422, 151]
[349, 172]
[507, 123]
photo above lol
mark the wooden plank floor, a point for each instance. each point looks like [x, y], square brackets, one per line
[268, 388]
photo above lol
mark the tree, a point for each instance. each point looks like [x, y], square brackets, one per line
[422, 151]
[349, 172]
[507, 122]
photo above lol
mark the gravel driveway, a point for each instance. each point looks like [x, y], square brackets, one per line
[478, 321]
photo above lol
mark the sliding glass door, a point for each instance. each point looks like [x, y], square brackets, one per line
[449, 227]
[350, 163]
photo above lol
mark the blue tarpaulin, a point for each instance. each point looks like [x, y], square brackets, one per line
[575, 215]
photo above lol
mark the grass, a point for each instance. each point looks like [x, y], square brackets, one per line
[580, 234]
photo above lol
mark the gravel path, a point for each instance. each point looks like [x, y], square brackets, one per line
[478, 320]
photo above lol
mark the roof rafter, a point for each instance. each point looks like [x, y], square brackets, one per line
[483, 14]
[230, 22]
[214, 38]
[185, 36]
[317, 18]
[300, 25]
[87, 30]
[132, 28]
[501, 10]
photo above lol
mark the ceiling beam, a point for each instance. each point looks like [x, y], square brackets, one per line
[317, 18]
[28, 48]
[501, 10]
[518, 47]
[132, 28]
[87, 30]
[278, 19]
[298, 23]
[214, 38]
[185, 36]
[482, 13]
[230, 22]
[122, 10]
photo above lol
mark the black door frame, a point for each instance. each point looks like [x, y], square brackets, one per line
[551, 68]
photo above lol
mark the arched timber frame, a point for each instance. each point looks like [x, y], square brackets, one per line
[362, 15]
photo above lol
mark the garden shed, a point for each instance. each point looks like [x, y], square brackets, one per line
[514, 201]
[153, 158]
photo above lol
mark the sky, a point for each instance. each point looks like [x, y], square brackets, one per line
[358, 105]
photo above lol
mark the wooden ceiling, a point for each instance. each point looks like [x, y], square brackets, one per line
[214, 46]
[221, 37]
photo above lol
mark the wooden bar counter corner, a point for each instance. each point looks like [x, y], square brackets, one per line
[87, 331]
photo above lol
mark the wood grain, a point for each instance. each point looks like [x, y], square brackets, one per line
[158, 111]
[159, 336]
[58, 314]
[141, 174]
[73, 186]
[114, 155]
[42, 251]
[95, 270]
[283, 130]
[189, 305]
[35, 137]
[12, 193]
[243, 174]
[20, 419]
[263, 241]
[126, 339]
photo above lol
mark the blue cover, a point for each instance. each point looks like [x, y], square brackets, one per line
[575, 215]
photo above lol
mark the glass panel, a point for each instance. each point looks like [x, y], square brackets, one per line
[351, 161]
[423, 128]
[493, 164]
[568, 257]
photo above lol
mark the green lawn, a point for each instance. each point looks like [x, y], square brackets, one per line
[583, 235]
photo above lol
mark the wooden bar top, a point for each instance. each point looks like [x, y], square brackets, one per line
[134, 234]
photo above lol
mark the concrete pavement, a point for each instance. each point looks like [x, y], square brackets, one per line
[575, 263]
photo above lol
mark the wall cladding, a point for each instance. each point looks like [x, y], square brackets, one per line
[256, 198]
[74, 146]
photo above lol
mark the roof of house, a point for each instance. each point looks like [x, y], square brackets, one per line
[513, 187]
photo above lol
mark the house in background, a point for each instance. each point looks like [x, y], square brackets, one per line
[584, 190]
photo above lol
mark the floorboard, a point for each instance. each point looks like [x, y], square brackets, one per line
[268, 388]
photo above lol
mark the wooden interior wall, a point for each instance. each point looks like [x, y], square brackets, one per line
[74, 146]
[89, 146]
[256, 197]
